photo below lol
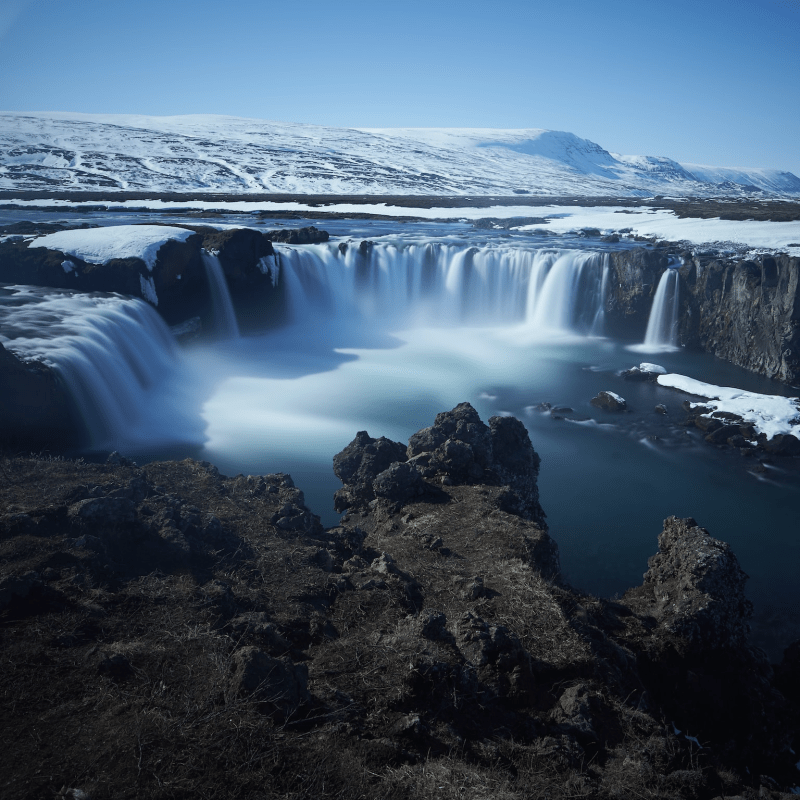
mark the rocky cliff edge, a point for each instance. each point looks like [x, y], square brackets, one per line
[167, 631]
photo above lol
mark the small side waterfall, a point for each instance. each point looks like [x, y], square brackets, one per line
[662, 325]
[224, 314]
[116, 356]
[446, 284]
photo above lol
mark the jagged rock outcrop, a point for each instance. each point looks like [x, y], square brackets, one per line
[308, 235]
[695, 659]
[458, 449]
[695, 589]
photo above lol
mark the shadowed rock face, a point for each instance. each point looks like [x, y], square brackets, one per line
[746, 312]
[36, 411]
[636, 274]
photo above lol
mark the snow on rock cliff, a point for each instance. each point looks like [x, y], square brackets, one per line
[100, 245]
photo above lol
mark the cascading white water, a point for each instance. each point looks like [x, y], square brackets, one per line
[662, 325]
[116, 356]
[436, 283]
[225, 321]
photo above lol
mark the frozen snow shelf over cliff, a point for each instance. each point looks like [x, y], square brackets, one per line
[86, 152]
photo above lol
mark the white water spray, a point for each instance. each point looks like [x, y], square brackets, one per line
[662, 325]
[224, 314]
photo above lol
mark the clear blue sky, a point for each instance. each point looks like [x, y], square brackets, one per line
[708, 81]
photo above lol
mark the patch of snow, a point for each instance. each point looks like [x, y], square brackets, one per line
[100, 245]
[769, 414]
[654, 368]
[615, 397]
[148, 287]
[68, 266]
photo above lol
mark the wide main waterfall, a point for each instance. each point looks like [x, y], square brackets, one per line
[447, 284]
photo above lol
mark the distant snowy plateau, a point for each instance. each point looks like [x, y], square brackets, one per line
[200, 153]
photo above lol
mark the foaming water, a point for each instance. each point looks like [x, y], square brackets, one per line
[116, 356]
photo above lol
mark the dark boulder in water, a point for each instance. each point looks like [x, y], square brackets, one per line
[609, 401]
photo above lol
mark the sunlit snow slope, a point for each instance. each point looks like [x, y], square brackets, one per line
[202, 153]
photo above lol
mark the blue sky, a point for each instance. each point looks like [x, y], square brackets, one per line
[701, 81]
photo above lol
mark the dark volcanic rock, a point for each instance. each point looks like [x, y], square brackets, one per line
[458, 449]
[177, 285]
[694, 588]
[636, 274]
[205, 634]
[276, 682]
[609, 401]
[309, 235]
[359, 464]
[747, 312]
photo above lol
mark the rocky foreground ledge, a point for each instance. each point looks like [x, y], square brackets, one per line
[170, 632]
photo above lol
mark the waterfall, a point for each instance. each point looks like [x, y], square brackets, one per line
[224, 314]
[662, 325]
[447, 284]
[116, 356]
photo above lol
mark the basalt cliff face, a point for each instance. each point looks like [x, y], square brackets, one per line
[168, 631]
[745, 311]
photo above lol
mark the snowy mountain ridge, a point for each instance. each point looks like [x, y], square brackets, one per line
[204, 153]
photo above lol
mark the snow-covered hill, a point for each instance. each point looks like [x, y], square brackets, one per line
[203, 153]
